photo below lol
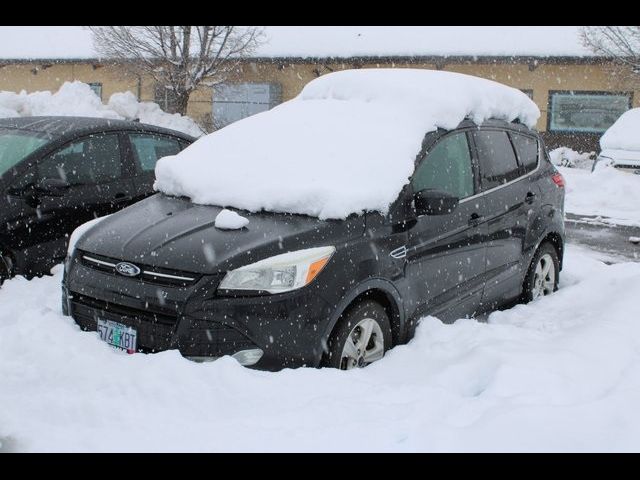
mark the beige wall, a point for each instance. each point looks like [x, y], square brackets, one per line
[41, 76]
[293, 76]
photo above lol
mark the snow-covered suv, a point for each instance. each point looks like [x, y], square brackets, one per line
[320, 232]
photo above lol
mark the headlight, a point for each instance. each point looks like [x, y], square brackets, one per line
[281, 273]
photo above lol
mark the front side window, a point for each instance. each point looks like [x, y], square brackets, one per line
[92, 160]
[447, 167]
[16, 145]
[527, 150]
[148, 149]
[498, 164]
[585, 112]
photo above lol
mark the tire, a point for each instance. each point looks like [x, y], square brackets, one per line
[343, 350]
[541, 280]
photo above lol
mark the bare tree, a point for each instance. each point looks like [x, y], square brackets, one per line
[620, 43]
[179, 59]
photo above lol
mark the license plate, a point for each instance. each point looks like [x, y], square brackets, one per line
[118, 335]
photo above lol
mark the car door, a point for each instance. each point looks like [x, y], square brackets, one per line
[145, 150]
[446, 253]
[94, 184]
[508, 198]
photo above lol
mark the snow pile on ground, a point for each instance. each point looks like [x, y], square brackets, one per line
[560, 374]
[77, 99]
[346, 144]
[606, 192]
[624, 134]
[228, 220]
[566, 157]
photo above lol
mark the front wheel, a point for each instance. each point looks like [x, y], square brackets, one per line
[361, 337]
[543, 274]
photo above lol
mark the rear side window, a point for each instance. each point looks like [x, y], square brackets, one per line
[527, 150]
[498, 164]
[447, 167]
[94, 159]
[148, 149]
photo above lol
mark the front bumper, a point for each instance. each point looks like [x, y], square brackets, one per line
[287, 328]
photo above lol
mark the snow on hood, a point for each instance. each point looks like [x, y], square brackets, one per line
[228, 220]
[77, 99]
[347, 144]
[624, 134]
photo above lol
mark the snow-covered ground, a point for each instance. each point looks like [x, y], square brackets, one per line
[77, 99]
[561, 374]
[609, 193]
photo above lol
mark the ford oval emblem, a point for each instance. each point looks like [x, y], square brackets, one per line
[127, 269]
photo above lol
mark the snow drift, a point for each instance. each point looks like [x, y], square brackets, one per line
[559, 374]
[606, 192]
[77, 99]
[567, 157]
[347, 144]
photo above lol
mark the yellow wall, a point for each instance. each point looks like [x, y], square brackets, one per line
[293, 76]
[38, 76]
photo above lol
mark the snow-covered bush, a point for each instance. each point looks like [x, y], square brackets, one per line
[566, 157]
[77, 99]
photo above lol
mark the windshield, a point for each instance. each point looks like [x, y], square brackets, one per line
[15, 145]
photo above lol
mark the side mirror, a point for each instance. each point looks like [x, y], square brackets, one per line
[435, 202]
[53, 187]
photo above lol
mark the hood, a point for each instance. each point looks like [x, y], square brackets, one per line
[174, 233]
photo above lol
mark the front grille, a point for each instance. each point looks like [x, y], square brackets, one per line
[148, 274]
[150, 314]
[155, 331]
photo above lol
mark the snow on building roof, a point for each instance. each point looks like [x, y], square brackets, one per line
[347, 144]
[75, 42]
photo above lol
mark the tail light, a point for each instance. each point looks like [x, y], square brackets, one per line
[558, 179]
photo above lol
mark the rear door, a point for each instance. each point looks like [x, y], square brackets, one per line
[145, 149]
[446, 253]
[509, 196]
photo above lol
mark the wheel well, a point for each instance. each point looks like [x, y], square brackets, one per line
[388, 303]
[555, 240]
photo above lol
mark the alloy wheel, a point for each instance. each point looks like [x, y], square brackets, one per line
[544, 277]
[364, 345]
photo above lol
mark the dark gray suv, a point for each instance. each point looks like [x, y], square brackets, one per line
[479, 225]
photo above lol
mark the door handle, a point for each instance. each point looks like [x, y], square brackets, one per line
[120, 198]
[530, 198]
[475, 219]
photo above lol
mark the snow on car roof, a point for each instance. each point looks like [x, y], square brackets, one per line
[347, 144]
[624, 134]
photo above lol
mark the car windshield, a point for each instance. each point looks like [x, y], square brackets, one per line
[15, 145]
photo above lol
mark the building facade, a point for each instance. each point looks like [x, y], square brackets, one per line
[579, 97]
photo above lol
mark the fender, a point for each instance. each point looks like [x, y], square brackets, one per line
[374, 283]
[556, 227]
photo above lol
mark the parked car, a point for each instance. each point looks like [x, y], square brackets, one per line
[620, 147]
[478, 224]
[59, 172]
